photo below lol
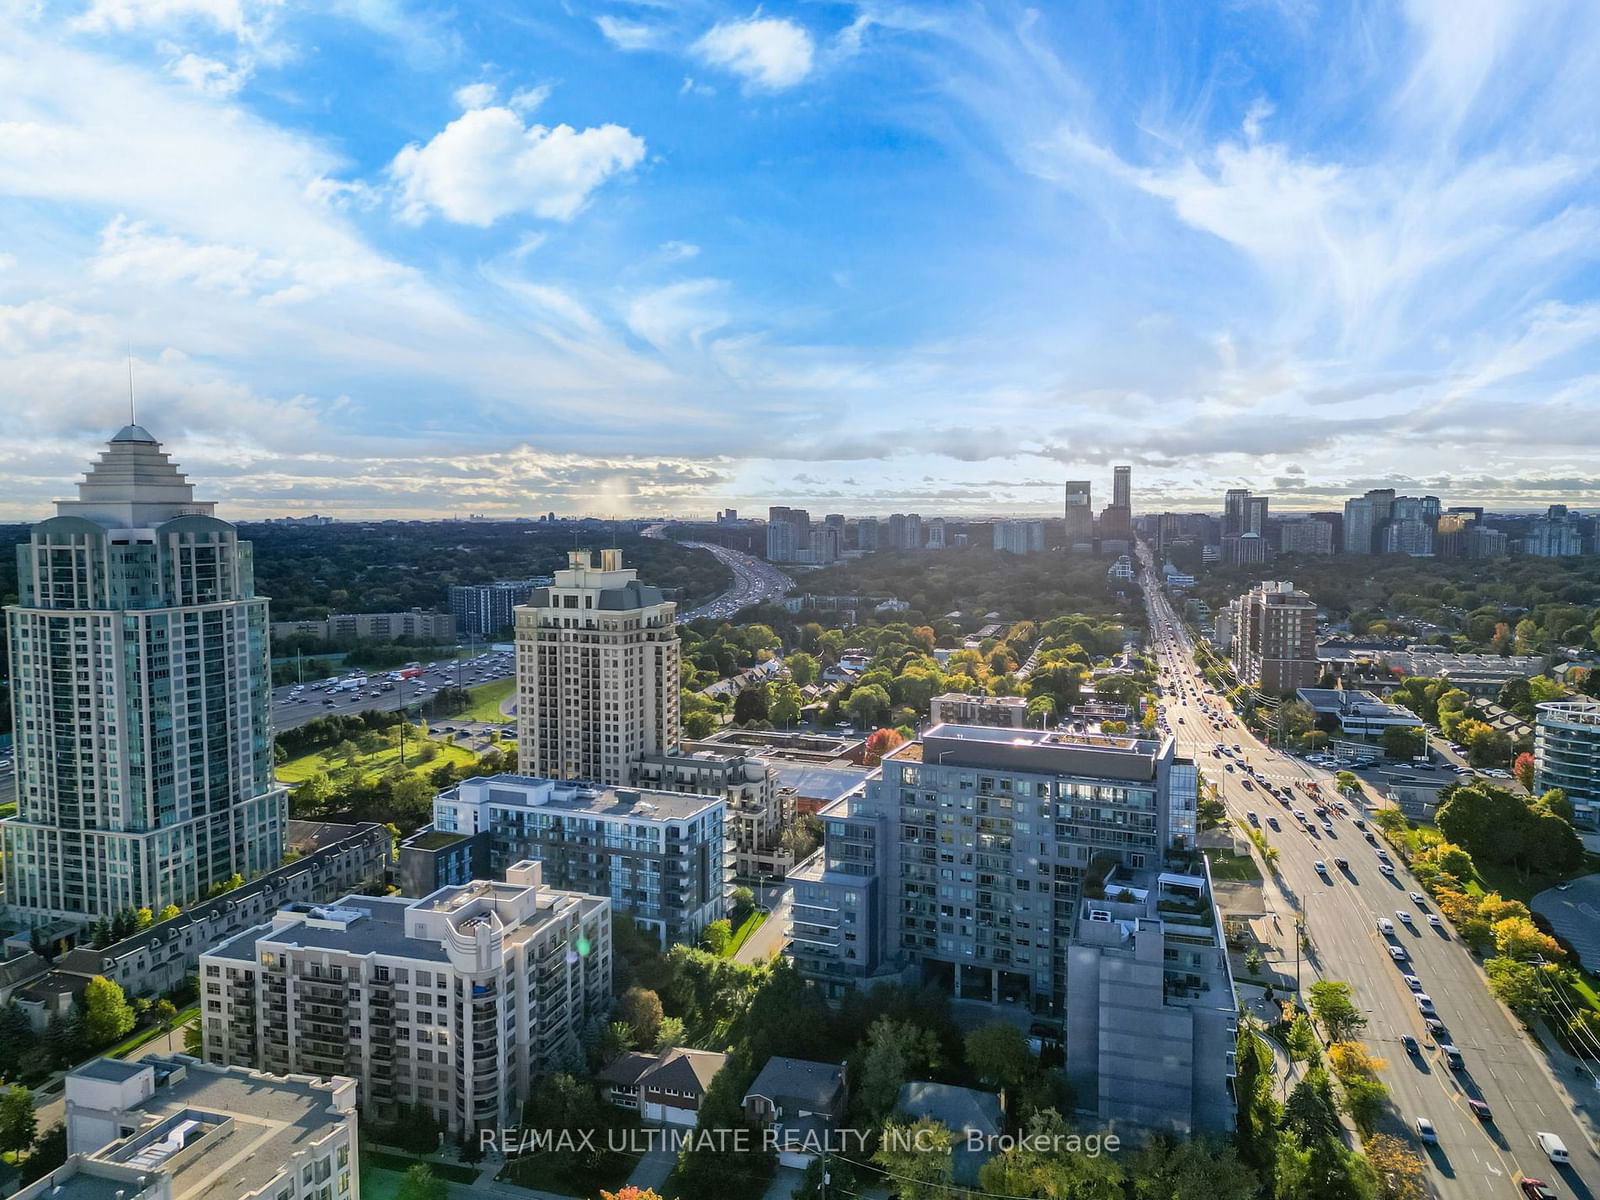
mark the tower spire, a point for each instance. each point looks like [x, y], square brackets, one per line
[133, 416]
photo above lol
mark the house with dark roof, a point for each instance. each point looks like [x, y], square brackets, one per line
[665, 1088]
[964, 1111]
[802, 1101]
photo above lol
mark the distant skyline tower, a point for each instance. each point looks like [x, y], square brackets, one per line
[1080, 514]
[1122, 487]
[141, 697]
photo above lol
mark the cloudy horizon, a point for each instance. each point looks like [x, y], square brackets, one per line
[385, 258]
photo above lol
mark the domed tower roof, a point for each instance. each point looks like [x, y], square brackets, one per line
[134, 486]
[134, 433]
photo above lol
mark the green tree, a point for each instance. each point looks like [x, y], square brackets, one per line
[669, 1033]
[1517, 985]
[1031, 1170]
[1401, 741]
[194, 1039]
[420, 1183]
[1333, 1004]
[312, 794]
[18, 1121]
[895, 1051]
[1191, 1170]
[615, 1038]
[998, 1054]
[868, 705]
[1302, 1040]
[918, 1159]
[784, 710]
[717, 935]
[803, 668]
[164, 1011]
[640, 1009]
[107, 1015]
[167, 913]
[1311, 1111]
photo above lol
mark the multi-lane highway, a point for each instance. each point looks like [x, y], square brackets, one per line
[753, 582]
[1475, 1159]
[294, 705]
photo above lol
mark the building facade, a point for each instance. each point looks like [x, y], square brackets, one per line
[962, 862]
[1080, 516]
[661, 857]
[758, 809]
[1566, 755]
[1019, 537]
[482, 609]
[1275, 640]
[597, 672]
[455, 1002]
[141, 699]
[1305, 536]
[961, 708]
[360, 627]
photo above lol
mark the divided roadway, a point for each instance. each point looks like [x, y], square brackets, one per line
[1473, 1160]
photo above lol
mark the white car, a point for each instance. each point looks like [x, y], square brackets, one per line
[1433, 919]
[1405, 916]
[1418, 898]
[1413, 982]
[1398, 953]
[1386, 869]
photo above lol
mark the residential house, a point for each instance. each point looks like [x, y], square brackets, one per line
[800, 1100]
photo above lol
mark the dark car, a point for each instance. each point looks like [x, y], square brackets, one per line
[1535, 1189]
[1480, 1110]
[1410, 1043]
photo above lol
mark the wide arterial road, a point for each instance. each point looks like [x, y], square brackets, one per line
[753, 580]
[1475, 1159]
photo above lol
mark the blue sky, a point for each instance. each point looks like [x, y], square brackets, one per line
[641, 256]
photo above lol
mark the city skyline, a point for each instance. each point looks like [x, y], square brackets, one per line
[624, 259]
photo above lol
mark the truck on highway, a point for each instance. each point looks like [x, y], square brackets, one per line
[350, 683]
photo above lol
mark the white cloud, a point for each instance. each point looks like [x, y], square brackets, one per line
[677, 315]
[209, 76]
[475, 95]
[766, 52]
[676, 251]
[485, 165]
[529, 100]
[629, 35]
[242, 18]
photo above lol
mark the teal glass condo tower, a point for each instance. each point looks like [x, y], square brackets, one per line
[141, 699]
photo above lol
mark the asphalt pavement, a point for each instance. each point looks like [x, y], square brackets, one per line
[288, 712]
[753, 580]
[1474, 1159]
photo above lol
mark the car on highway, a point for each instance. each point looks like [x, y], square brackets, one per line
[1385, 925]
[1406, 917]
[1536, 1189]
[1418, 898]
[1480, 1109]
[1412, 1046]
[1452, 1056]
[1342, 863]
[1424, 1003]
[1435, 1026]
[1426, 1132]
[1322, 868]
[1386, 869]
[1272, 823]
[1398, 953]
[1433, 919]
[1412, 982]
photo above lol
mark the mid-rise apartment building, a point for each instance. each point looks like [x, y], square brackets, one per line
[1409, 535]
[1275, 639]
[1360, 525]
[482, 609]
[175, 1128]
[962, 708]
[1019, 537]
[141, 699]
[964, 859]
[1566, 755]
[662, 857]
[597, 672]
[1305, 535]
[758, 809]
[1554, 535]
[361, 627]
[1054, 871]
[455, 1002]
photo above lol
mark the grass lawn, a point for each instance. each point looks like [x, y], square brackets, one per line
[746, 927]
[379, 1184]
[296, 770]
[1239, 868]
[486, 700]
[150, 1034]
